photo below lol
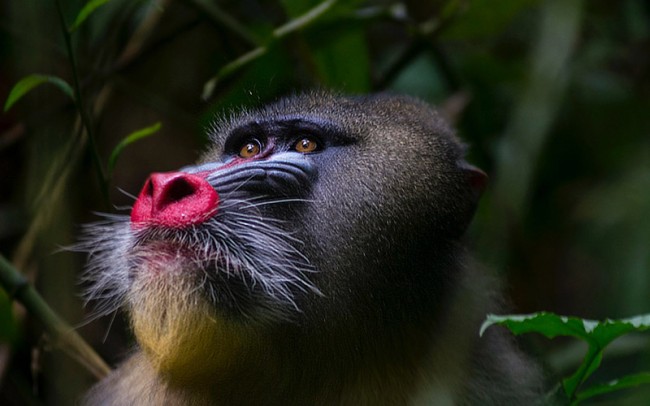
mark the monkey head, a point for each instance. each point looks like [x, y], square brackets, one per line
[316, 214]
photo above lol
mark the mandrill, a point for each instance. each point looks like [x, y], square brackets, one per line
[313, 256]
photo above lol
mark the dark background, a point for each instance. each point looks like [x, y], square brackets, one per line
[552, 96]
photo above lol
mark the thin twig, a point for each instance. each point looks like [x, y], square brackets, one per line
[279, 33]
[85, 117]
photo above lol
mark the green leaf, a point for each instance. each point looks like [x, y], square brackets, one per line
[629, 381]
[85, 12]
[551, 325]
[29, 82]
[598, 334]
[129, 139]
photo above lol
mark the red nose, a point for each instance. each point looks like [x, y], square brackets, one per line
[174, 199]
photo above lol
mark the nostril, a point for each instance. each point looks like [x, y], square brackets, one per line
[147, 189]
[174, 199]
[176, 190]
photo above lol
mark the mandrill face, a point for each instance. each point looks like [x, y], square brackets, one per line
[296, 215]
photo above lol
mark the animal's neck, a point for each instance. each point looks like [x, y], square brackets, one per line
[342, 365]
[307, 372]
[349, 362]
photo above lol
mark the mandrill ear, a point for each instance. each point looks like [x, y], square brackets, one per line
[476, 179]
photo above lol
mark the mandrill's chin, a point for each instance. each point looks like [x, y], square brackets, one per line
[183, 336]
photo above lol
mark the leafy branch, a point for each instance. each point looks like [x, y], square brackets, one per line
[597, 334]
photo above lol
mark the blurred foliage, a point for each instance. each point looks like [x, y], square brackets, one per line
[552, 96]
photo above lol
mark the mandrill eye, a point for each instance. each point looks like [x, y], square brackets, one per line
[306, 145]
[250, 149]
